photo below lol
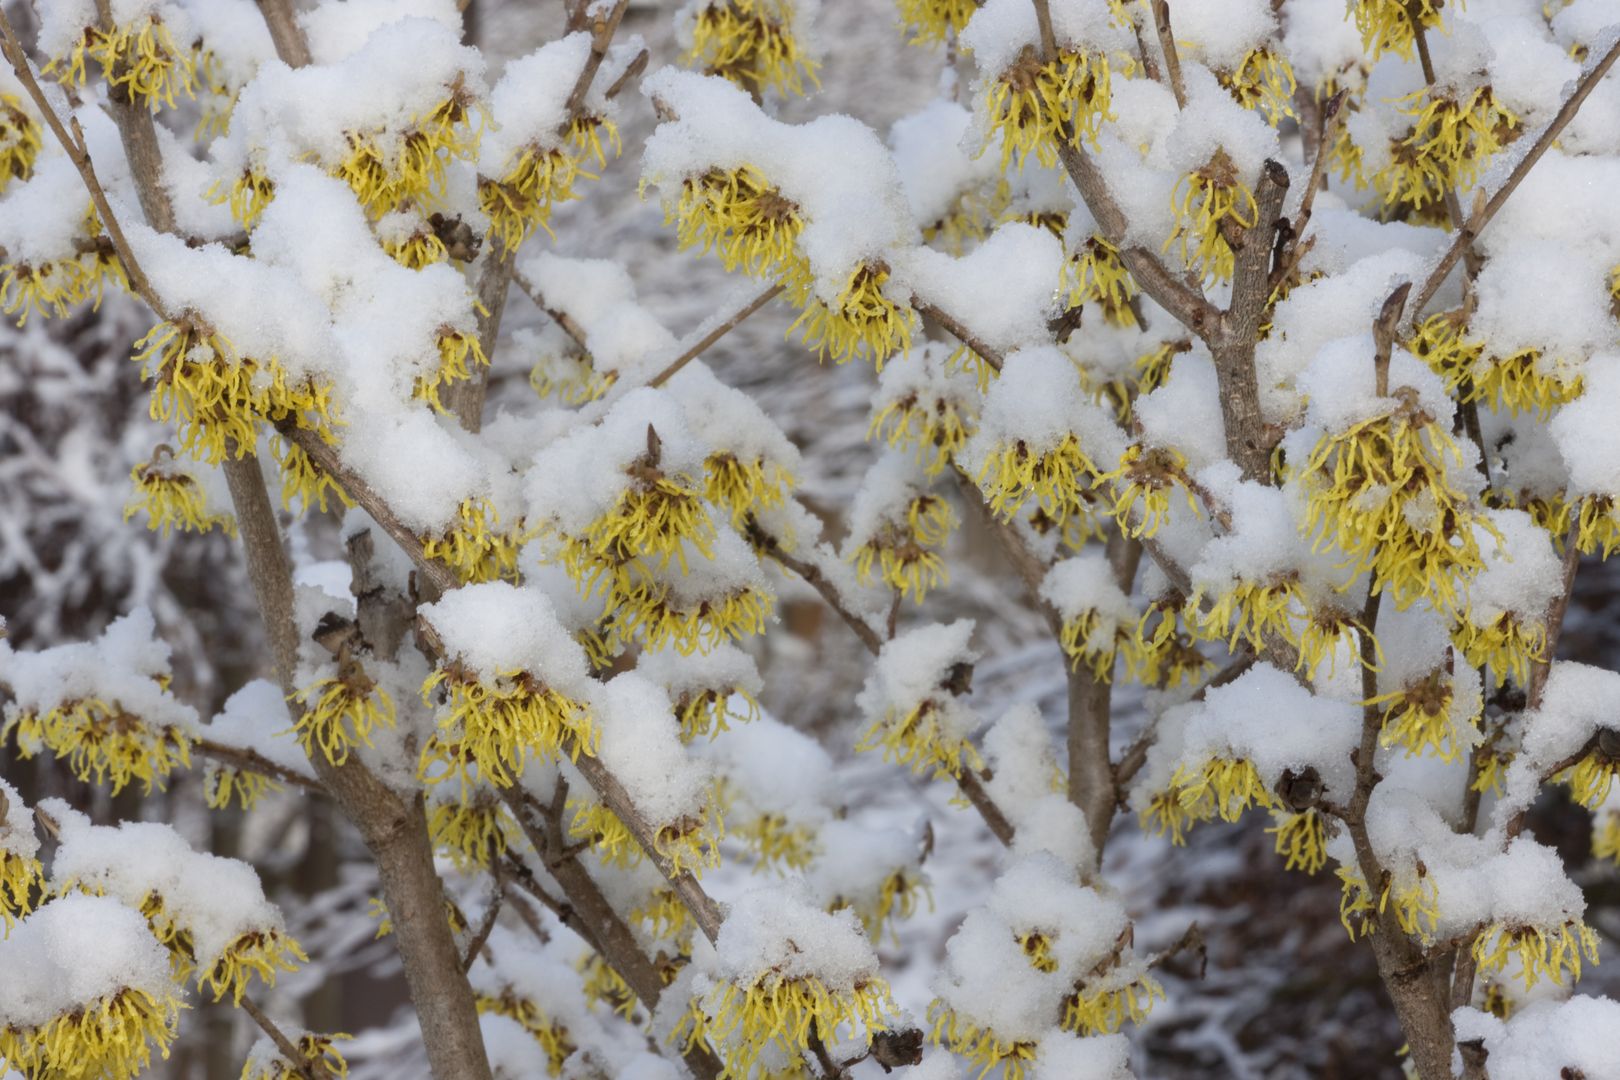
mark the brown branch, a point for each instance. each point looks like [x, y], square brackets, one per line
[1043, 20]
[1167, 44]
[300, 1064]
[1233, 347]
[285, 32]
[486, 924]
[631, 70]
[973, 788]
[1295, 244]
[1135, 756]
[1537, 683]
[1389, 317]
[601, 34]
[959, 330]
[561, 318]
[812, 576]
[714, 335]
[1483, 213]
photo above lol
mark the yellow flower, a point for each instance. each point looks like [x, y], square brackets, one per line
[522, 199]
[1526, 381]
[474, 548]
[603, 986]
[1056, 477]
[1543, 952]
[171, 497]
[142, 59]
[1492, 764]
[459, 352]
[744, 219]
[410, 167]
[103, 742]
[552, 1035]
[1208, 202]
[1590, 778]
[1508, 645]
[1302, 838]
[1146, 475]
[1222, 787]
[475, 830]
[865, 322]
[50, 288]
[1445, 148]
[775, 841]
[19, 877]
[1095, 274]
[1169, 656]
[1327, 631]
[112, 1036]
[1599, 528]
[895, 899]
[571, 377]
[752, 43]
[1096, 639]
[1417, 909]
[920, 739]
[656, 612]
[742, 1021]
[937, 429]
[495, 725]
[982, 1047]
[1102, 1006]
[341, 710]
[304, 480]
[319, 1049]
[416, 249]
[1165, 814]
[1441, 342]
[222, 783]
[706, 712]
[744, 486]
[1419, 716]
[656, 517]
[904, 551]
[689, 843]
[1382, 492]
[1034, 105]
[1606, 837]
[1265, 81]
[664, 915]
[258, 952]
[929, 22]
[248, 195]
[1390, 25]
[20, 141]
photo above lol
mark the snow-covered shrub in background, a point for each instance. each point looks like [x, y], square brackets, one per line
[1271, 343]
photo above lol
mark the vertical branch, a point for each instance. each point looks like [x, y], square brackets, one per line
[285, 32]
[1167, 45]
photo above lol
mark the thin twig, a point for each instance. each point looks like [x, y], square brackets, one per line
[1389, 317]
[486, 925]
[714, 335]
[812, 576]
[253, 761]
[1483, 214]
[601, 35]
[1167, 44]
[959, 331]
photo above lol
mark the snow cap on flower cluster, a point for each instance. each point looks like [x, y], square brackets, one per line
[1579, 1036]
[120, 668]
[217, 900]
[1084, 583]
[723, 668]
[726, 419]
[254, 719]
[75, 950]
[910, 667]
[1220, 35]
[1065, 1056]
[1039, 400]
[1585, 432]
[1024, 261]
[834, 169]
[620, 335]
[934, 167]
[1267, 718]
[498, 629]
[778, 930]
[772, 768]
[1001, 29]
[640, 744]
[530, 102]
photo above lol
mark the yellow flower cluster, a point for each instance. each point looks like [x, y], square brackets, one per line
[303, 480]
[932, 21]
[690, 843]
[19, 877]
[896, 899]
[1223, 787]
[650, 611]
[1391, 25]
[217, 398]
[386, 172]
[1301, 839]
[1590, 778]
[1417, 903]
[1508, 645]
[1248, 611]
[171, 497]
[904, 552]
[54, 287]
[1446, 147]
[864, 322]
[1264, 81]
[475, 548]
[776, 841]
[1057, 477]
[140, 59]
[1095, 274]
[1598, 529]
[258, 952]
[1209, 202]
[103, 743]
[318, 1050]
[571, 378]
[1527, 381]
[1145, 476]
[20, 141]
[1418, 717]
[752, 43]
[341, 710]
[459, 352]
[1547, 953]
[521, 200]
[1104, 1008]
[111, 1037]
[742, 1022]
[1036, 105]
[1382, 493]
[248, 195]
[744, 486]
[1169, 656]
[475, 830]
[706, 712]
[495, 725]
[744, 219]
[982, 1047]
[222, 783]
[937, 430]
[918, 739]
